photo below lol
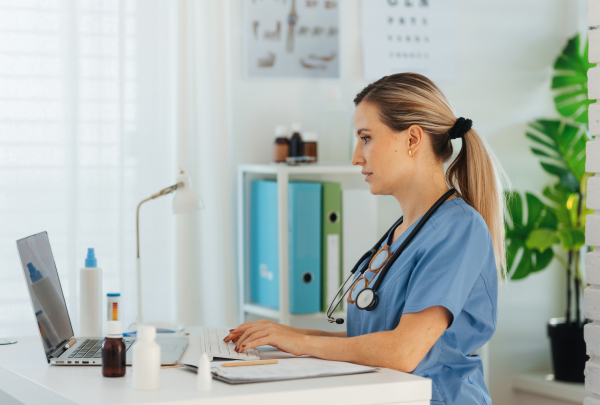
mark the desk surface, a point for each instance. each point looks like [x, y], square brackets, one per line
[25, 375]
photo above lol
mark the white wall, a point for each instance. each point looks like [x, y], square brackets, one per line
[505, 51]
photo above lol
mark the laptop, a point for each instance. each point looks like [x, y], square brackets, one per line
[50, 309]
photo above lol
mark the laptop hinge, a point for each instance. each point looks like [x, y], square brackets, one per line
[60, 347]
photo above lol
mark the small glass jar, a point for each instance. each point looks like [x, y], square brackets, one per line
[113, 351]
[310, 145]
[281, 147]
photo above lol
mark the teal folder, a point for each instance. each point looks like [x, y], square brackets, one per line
[331, 242]
[304, 238]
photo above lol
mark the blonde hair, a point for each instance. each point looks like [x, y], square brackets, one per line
[406, 99]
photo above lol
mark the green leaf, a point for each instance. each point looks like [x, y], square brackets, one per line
[572, 238]
[515, 204]
[534, 209]
[570, 81]
[524, 267]
[561, 148]
[531, 238]
[542, 260]
[542, 239]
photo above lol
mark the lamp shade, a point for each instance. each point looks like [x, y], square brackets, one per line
[186, 199]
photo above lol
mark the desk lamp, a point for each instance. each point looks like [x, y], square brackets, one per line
[185, 200]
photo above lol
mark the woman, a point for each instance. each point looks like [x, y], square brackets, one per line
[437, 303]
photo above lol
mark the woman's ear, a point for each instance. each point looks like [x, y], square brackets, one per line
[415, 138]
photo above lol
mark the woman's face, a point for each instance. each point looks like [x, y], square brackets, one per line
[382, 152]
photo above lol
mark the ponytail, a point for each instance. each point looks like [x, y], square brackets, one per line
[406, 99]
[473, 174]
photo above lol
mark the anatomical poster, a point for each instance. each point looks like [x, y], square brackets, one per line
[408, 36]
[291, 38]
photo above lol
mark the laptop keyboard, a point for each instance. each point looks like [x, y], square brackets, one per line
[92, 348]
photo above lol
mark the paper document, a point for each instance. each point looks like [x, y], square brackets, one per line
[286, 369]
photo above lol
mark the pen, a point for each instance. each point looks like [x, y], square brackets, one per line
[249, 363]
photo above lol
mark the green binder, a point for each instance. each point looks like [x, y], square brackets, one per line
[331, 243]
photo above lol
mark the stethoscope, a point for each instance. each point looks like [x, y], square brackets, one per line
[367, 298]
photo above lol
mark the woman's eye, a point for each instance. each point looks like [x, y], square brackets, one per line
[364, 138]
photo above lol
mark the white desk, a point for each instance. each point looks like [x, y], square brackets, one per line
[25, 375]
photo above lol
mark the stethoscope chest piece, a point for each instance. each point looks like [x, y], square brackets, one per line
[367, 300]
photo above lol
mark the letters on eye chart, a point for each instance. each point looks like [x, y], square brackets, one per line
[408, 36]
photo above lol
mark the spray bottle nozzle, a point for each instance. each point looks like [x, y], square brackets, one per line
[34, 274]
[90, 260]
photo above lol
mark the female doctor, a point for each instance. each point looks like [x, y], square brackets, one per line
[435, 302]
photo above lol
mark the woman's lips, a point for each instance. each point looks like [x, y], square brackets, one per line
[368, 175]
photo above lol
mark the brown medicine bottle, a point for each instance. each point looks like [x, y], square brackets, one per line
[310, 145]
[113, 351]
[281, 148]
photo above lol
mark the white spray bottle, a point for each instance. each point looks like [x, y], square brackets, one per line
[90, 297]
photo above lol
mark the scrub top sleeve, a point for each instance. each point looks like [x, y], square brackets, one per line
[449, 263]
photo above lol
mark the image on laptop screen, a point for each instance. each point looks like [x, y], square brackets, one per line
[45, 291]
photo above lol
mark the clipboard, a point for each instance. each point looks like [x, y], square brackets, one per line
[289, 369]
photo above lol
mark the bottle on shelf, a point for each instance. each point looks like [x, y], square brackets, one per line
[296, 144]
[113, 351]
[281, 148]
[310, 146]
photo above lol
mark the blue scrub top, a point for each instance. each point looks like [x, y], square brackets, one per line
[450, 263]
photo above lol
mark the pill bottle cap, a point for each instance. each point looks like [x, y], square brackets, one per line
[295, 127]
[309, 136]
[146, 332]
[114, 329]
[281, 130]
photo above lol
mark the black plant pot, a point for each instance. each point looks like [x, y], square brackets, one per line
[568, 350]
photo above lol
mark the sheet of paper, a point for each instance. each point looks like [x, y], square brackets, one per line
[301, 367]
[408, 36]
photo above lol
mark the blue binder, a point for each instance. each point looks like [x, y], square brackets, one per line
[304, 217]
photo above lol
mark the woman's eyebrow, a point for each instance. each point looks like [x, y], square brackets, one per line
[362, 130]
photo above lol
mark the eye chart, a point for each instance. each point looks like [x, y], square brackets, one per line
[408, 36]
[291, 38]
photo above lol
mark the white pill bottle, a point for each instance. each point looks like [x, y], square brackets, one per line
[146, 360]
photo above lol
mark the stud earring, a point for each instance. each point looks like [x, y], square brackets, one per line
[410, 153]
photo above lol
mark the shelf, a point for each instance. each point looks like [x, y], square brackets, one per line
[284, 174]
[545, 385]
[313, 168]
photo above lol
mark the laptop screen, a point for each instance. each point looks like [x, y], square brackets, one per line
[44, 288]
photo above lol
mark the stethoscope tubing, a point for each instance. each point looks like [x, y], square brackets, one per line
[339, 297]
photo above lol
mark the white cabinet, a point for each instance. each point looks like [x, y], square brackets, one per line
[349, 176]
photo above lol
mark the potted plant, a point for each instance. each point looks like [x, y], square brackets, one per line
[555, 224]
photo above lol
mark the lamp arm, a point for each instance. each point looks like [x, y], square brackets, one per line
[164, 191]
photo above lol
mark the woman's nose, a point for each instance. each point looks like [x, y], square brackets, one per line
[357, 158]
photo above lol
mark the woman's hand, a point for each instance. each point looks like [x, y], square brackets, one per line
[250, 335]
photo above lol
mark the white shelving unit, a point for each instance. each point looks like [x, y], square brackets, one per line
[346, 174]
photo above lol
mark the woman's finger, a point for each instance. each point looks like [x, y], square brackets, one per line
[258, 342]
[258, 335]
[249, 332]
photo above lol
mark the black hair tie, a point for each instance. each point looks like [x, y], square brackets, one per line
[460, 128]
